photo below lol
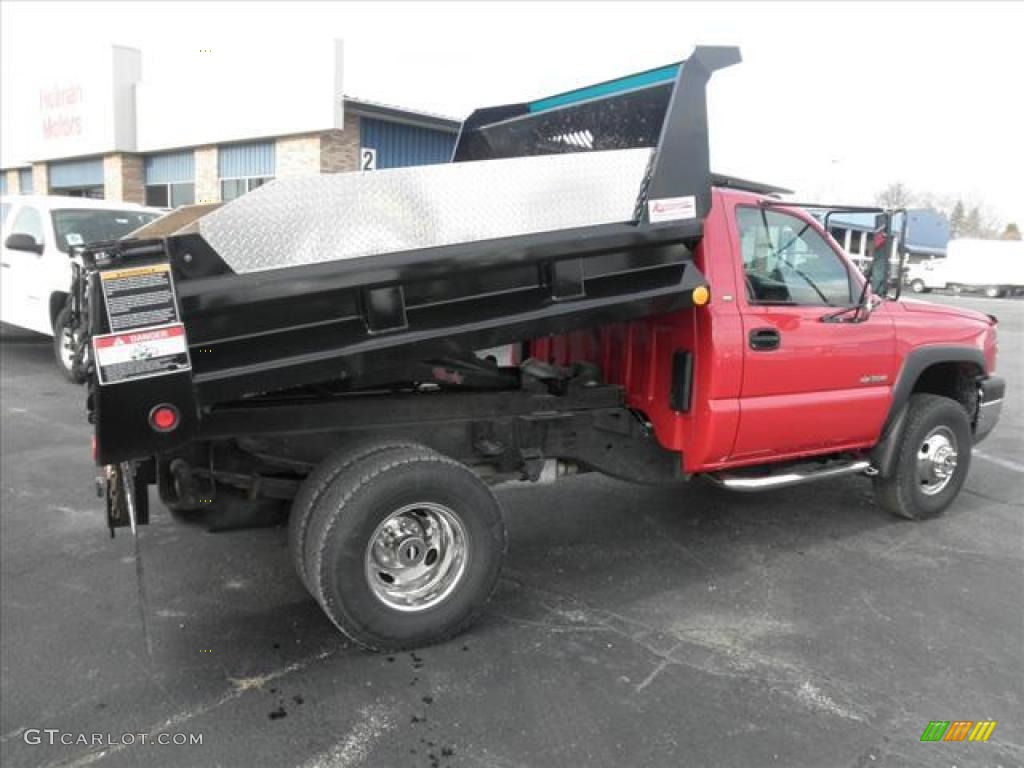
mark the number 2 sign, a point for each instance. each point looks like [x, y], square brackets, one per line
[367, 159]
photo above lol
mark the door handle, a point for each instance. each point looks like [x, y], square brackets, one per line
[763, 339]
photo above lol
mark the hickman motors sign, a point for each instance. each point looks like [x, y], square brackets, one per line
[60, 110]
[83, 111]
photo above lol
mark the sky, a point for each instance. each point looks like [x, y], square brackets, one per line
[833, 100]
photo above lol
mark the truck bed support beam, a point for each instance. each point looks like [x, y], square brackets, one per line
[515, 432]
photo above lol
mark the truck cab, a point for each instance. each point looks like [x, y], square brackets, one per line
[777, 373]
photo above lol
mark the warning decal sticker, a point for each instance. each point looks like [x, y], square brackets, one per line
[141, 354]
[672, 209]
[139, 297]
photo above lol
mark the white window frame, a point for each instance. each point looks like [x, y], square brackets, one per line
[248, 183]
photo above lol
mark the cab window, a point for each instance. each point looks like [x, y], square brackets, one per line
[28, 222]
[786, 261]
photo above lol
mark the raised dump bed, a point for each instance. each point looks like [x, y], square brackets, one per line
[574, 210]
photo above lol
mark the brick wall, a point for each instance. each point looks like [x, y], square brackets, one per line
[327, 152]
[40, 179]
[339, 150]
[207, 175]
[123, 178]
[297, 155]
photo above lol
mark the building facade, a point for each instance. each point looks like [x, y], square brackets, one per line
[127, 148]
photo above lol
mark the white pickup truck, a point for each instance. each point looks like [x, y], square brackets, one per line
[37, 233]
[993, 267]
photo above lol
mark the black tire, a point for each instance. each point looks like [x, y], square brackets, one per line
[349, 515]
[993, 292]
[313, 488]
[63, 334]
[917, 286]
[903, 492]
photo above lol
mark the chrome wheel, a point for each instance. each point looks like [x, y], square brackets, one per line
[417, 556]
[936, 460]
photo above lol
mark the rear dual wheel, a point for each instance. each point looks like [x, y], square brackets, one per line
[314, 487]
[402, 546]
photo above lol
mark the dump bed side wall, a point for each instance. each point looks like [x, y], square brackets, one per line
[639, 355]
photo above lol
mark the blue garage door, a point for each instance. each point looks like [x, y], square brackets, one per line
[239, 161]
[76, 173]
[170, 167]
[400, 145]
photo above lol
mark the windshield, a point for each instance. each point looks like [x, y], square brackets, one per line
[84, 226]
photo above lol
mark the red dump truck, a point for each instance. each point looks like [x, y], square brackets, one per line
[316, 346]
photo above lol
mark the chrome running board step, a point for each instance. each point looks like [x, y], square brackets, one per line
[748, 483]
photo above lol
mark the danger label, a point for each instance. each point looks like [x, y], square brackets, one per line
[672, 209]
[141, 354]
[139, 297]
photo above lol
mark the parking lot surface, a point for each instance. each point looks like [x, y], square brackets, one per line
[633, 626]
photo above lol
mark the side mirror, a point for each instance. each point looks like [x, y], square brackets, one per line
[22, 242]
[878, 272]
[885, 277]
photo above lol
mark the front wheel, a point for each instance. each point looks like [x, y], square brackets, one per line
[404, 548]
[64, 343]
[918, 286]
[993, 292]
[932, 461]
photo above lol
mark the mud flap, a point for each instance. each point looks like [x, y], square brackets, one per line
[126, 492]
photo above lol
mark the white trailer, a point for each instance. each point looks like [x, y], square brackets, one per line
[994, 267]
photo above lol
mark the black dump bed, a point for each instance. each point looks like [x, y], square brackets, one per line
[570, 211]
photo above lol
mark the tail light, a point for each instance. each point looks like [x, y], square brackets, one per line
[164, 418]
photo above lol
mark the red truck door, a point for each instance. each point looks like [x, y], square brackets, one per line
[808, 385]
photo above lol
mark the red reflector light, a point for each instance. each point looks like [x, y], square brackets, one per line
[163, 418]
[95, 448]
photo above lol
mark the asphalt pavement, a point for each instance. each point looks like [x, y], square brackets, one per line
[633, 626]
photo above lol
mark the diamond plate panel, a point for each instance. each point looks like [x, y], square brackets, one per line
[314, 219]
